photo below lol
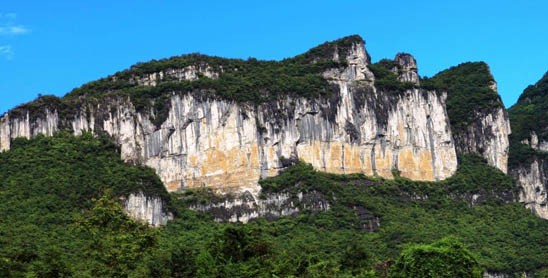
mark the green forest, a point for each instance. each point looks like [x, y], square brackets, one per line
[529, 114]
[468, 92]
[62, 216]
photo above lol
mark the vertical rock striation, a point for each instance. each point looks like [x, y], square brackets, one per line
[479, 121]
[150, 210]
[406, 69]
[228, 145]
[245, 207]
[487, 136]
[533, 184]
[529, 155]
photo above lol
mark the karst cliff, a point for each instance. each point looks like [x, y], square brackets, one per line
[202, 121]
[529, 150]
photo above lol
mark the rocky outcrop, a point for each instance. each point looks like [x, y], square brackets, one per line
[406, 68]
[488, 137]
[532, 180]
[495, 275]
[532, 177]
[191, 72]
[535, 143]
[150, 210]
[479, 121]
[488, 274]
[24, 126]
[230, 146]
[245, 207]
[529, 156]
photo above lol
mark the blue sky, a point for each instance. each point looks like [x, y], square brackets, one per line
[51, 47]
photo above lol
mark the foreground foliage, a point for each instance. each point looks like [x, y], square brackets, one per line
[59, 222]
[444, 258]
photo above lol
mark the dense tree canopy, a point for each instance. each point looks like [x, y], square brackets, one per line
[444, 258]
[529, 115]
[469, 91]
[61, 217]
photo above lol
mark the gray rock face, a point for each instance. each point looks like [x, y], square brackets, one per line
[488, 274]
[532, 180]
[150, 210]
[488, 137]
[407, 69]
[480, 125]
[245, 207]
[191, 72]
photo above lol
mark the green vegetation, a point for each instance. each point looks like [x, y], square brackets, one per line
[502, 235]
[529, 114]
[468, 92]
[61, 217]
[112, 244]
[249, 81]
[252, 81]
[51, 226]
[523, 154]
[444, 258]
[386, 79]
[242, 81]
[326, 50]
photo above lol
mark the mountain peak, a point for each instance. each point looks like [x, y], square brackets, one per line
[338, 50]
[407, 68]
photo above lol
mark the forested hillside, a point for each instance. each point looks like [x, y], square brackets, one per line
[61, 213]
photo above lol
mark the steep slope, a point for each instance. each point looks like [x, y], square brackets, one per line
[529, 146]
[364, 225]
[52, 227]
[63, 171]
[62, 200]
[478, 119]
[226, 123]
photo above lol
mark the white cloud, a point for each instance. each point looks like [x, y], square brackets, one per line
[13, 30]
[6, 51]
[8, 26]
[8, 29]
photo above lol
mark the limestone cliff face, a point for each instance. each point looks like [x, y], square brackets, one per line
[488, 274]
[245, 207]
[488, 137]
[532, 177]
[150, 210]
[192, 72]
[532, 180]
[479, 121]
[230, 146]
[407, 69]
[529, 141]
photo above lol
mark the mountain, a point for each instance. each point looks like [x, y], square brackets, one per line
[479, 122]
[335, 163]
[226, 123]
[529, 146]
